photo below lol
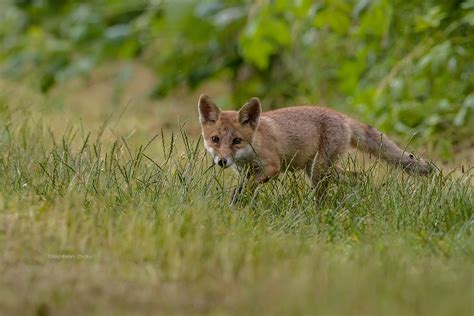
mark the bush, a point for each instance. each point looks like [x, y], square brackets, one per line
[404, 65]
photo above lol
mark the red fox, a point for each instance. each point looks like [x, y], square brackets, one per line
[302, 137]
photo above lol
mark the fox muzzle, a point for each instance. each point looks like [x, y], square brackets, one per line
[223, 162]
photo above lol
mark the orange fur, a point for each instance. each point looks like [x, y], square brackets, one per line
[303, 137]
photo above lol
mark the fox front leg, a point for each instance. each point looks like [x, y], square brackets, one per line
[249, 185]
[253, 180]
[237, 191]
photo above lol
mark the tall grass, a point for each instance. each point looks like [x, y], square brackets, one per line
[93, 226]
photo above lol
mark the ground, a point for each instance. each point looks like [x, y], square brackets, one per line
[102, 225]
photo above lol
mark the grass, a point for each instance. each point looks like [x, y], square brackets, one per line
[134, 226]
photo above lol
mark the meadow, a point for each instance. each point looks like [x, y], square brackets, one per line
[109, 208]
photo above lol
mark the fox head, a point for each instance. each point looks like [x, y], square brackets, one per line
[228, 135]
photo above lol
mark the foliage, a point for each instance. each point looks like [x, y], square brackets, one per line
[403, 65]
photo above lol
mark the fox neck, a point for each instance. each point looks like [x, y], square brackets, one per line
[245, 156]
[250, 155]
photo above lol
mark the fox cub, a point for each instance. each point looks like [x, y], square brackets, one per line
[301, 137]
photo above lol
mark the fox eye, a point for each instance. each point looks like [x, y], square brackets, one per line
[237, 140]
[215, 139]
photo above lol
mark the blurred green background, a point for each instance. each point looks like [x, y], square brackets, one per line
[404, 66]
[109, 205]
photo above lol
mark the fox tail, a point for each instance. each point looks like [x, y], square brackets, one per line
[370, 140]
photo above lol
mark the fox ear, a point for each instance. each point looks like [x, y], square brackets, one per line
[208, 110]
[250, 113]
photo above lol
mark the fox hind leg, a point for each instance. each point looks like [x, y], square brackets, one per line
[317, 172]
[334, 140]
[323, 165]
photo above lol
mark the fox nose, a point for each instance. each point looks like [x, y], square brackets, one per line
[222, 162]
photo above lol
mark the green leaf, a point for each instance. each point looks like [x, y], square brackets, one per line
[469, 18]
[257, 53]
[277, 30]
[431, 19]
[336, 20]
[469, 4]
[262, 38]
[467, 107]
[412, 114]
[440, 55]
[375, 20]
[228, 16]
